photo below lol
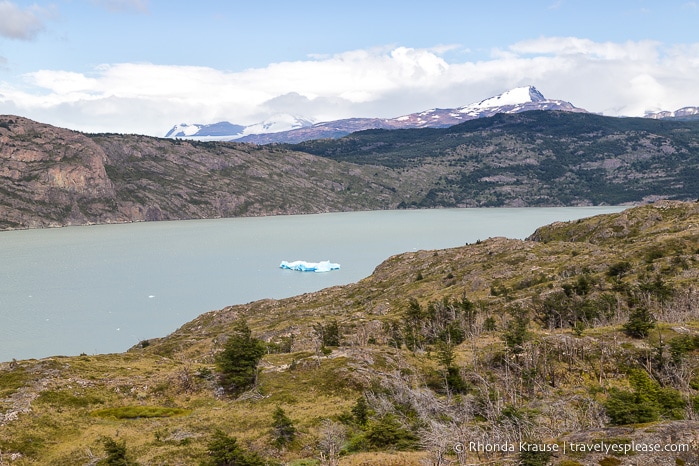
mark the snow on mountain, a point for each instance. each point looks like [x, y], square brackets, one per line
[225, 131]
[183, 130]
[520, 99]
[221, 130]
[293, 129]
[278, 123]
[519, 95]
[685, 112]
[516, 100]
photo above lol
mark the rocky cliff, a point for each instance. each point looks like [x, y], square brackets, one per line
[55, 177]
[52, 176]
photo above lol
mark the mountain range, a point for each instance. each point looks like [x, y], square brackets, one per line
[285, 128]
[293, 129]
[685, 113]
[53, 177]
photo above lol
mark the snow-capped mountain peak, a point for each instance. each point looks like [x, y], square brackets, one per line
[515, 100]
[222, 129]
[518, 95]
[225, 131]
[683, 113]
[278, 123]
[183, 130]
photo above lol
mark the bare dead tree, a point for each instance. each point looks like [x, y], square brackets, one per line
[332, 437]
[183, 380]
[682, 307]
[437, 439]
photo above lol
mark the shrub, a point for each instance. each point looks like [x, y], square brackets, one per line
[646, 403]
[534, 458]
[387, 432]
[624, 407]
[681, 345]
[619, 269]
[654, 252]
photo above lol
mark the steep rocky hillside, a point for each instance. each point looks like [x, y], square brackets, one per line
[54, 177]
[582, 341]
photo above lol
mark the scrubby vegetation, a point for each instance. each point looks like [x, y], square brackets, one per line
[586, 333]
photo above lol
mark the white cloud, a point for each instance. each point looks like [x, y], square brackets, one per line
[17, 23]
[627, 78]
[62, 82]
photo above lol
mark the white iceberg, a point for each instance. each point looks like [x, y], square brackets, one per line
[303, 266]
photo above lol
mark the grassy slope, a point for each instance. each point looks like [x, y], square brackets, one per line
[554, 384]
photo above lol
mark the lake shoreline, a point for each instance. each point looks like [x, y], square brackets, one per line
[104, 288]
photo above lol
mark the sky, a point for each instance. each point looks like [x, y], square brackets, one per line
[142, 66]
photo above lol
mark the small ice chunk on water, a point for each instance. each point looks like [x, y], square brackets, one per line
[303, 266]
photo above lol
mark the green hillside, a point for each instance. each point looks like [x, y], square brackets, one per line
[535, 158]
[585, 334]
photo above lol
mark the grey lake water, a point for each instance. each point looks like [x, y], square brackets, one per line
[102, 289]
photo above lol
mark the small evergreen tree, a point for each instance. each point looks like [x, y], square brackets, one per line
[116, 453]
[452, 377]
[413, 322]
[225, 451]
[283, 428]
[329, 334]
[360, 411]
[489, 324]
[239, 358]
[640, 323]
[516, 333]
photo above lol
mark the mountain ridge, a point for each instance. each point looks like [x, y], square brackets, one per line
[512, 101]
[682, 113]
[56, 177]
